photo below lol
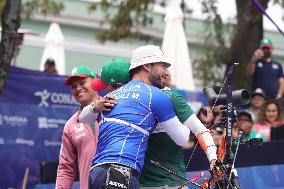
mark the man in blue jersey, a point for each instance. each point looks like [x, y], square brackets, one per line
[266, 73]
[124, 131]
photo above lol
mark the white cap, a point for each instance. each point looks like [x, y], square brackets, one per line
[146, 55]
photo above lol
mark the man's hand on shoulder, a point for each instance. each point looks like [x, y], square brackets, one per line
[103, 104]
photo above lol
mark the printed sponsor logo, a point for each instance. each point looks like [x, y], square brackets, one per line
[25, 141]
[55, 98]
[260, 64]
[275, 66]
[2, 141]
[159, 129]
[117, 184]
[45, 123]
[79, 131]
[44, 95]
[79, 128]
[16, 121]
[51, 143]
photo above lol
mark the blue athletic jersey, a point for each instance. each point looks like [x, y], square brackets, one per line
[139, 104]
[266, 77]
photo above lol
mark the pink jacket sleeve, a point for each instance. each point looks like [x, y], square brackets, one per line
[67, 161]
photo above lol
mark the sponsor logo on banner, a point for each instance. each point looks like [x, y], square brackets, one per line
[51, 143]
[44, 95]
[25, 141]
[2, 141]
[53, 98]
[45, 123]
[16, 121]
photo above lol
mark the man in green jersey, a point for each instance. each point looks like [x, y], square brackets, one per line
[163, 150]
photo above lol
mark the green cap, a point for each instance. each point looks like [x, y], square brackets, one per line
[265, 42]
[80, 71]
[113, 72]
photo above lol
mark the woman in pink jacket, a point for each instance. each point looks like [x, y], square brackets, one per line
[270, 116]
[79, 141]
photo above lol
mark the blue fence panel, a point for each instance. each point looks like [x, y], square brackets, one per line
[29, 134]
[37, 88]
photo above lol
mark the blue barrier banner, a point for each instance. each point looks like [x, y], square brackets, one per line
[37, 88]
[29, 134]
[264, 177]
[266, 154]
[45, 89]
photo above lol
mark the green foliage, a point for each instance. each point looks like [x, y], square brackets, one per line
[43, 7]
[210, 68]
[123, 16]
[2, 5]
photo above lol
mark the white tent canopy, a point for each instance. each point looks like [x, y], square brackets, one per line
[176, 49]
[54, 48]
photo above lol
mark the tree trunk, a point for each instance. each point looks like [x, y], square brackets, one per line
[10, 24]
[249, 31]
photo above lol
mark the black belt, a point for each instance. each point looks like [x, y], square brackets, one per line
[133, 172]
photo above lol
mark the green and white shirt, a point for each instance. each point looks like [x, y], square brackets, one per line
[162, 149]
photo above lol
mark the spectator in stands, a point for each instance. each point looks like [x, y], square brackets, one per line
[79, 140]
[266, 73]
[256, 102]
[49, 66]
[270, 116]
[245, 124]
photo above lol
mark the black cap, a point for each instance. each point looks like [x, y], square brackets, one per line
[245, 113]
